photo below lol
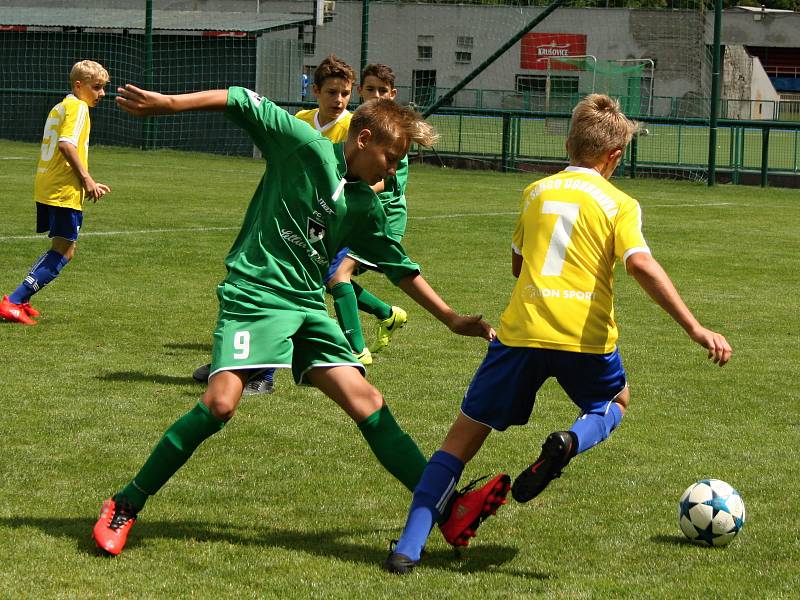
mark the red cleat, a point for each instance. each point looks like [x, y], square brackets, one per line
[470, 508]
[14, 312]
[31, 312]
[111, 530]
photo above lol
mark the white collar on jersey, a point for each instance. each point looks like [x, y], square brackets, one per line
[327, 126]
[584, 170]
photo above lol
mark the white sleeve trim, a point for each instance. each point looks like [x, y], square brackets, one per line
[636, 250]
[516, 250]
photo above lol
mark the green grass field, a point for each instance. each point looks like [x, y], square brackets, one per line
[288, 502]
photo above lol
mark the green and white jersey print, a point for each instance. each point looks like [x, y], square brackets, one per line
[302, 212]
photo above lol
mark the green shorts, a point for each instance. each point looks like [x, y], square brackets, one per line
[255, 336]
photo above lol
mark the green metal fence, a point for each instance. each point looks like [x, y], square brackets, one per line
[512, 140]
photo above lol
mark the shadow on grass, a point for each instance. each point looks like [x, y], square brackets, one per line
[194, 347]
[330, 543]
[672, 540]
[138, 376]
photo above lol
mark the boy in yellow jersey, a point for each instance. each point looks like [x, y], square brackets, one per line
[572, 228]
[332, 87]
[61, 185]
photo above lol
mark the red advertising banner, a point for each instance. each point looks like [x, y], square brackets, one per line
[538, 48]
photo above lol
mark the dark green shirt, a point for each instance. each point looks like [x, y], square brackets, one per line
[302, 212]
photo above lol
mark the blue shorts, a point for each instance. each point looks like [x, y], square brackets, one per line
[363, 264]
[60, 222]
[503, 390]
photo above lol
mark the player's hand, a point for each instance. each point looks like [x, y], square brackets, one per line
[141, 103]
[472, 325]
[95, 190]
[719, 350]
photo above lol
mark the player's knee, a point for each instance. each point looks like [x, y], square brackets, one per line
[373, 398]
[623, 398]
[222, 408]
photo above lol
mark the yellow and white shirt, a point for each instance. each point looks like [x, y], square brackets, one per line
[572, 228]
[335, 131]
[56, 183]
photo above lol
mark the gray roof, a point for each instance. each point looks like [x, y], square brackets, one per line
[171, 20]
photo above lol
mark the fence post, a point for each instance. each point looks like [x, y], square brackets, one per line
[506, 143]
[764, 155]
[634, 152]
[715, 92]
[148, 126]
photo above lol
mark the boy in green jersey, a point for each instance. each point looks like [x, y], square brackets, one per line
[377, 81]
[314, 199]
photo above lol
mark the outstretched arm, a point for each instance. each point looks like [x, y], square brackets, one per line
[424, 295]
[142, 103]
[655, 281]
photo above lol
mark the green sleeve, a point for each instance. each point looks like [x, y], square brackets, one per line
[274, 131]
[370, 236]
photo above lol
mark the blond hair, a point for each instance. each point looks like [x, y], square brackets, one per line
[388, 121]
[598, 126]
[88, 70]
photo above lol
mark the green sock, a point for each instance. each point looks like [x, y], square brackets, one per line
[371, 304]
[174, 449]
[393, 447]
[346, 307]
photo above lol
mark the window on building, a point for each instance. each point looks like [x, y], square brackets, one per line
[424, 47]
[464, 41]
[463, 57]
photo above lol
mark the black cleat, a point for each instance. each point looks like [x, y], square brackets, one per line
[201, 374]
[398, 563]
[557, 450]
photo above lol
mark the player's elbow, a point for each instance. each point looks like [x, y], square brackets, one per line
[639, 263]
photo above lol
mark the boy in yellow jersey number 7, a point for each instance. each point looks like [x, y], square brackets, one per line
[61, 185]
[572, 228]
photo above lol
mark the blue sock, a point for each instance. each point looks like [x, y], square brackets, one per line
[44, 270]
[434, 489]
[593, 428]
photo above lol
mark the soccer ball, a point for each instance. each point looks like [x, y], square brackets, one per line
[711, 512]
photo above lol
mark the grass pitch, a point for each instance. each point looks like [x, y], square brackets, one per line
[287, 501]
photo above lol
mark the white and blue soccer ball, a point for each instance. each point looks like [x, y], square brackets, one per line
[711, 512]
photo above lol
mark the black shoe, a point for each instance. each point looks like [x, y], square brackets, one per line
[557, 450]
[398, 563]
[201, 374]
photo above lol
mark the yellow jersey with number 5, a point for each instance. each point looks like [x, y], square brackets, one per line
[572, 228]
[56, 183]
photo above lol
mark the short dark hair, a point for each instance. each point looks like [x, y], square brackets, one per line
[382, 72]
[333, 66]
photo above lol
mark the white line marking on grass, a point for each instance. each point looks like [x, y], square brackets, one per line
[132, 232]
[459, 215]
[688, 205]
[11, 238]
